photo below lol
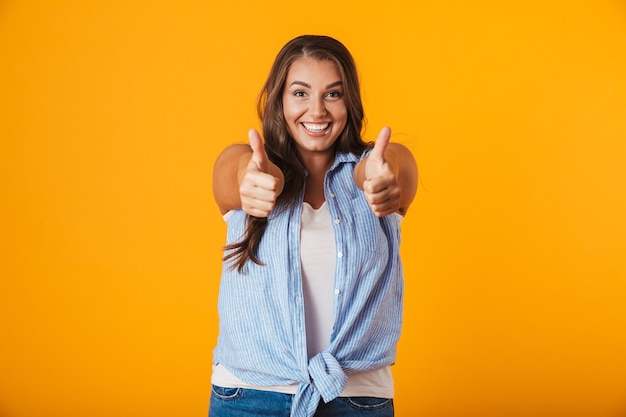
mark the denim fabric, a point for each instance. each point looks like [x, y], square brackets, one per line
[356, 407]
[242, 402]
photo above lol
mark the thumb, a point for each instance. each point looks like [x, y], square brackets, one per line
[259, 156]
[378, 153]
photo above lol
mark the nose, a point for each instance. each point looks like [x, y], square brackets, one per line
[318, 107]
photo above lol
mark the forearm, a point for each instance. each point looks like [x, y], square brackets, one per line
[228, 172]
[407, 176]
[239, 182]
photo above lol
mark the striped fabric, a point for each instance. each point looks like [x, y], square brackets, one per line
[262, 338]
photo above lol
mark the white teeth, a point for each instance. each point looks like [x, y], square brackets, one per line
[315, 127]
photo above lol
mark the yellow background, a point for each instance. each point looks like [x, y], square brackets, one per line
[112, 113]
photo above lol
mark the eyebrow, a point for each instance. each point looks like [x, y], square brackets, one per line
[302, 83]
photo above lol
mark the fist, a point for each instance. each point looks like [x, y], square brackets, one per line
[258, 187]
[381, 187]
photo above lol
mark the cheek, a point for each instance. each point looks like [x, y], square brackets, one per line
[340, 112]
[290, 119]
[290, 112]
[289, 115]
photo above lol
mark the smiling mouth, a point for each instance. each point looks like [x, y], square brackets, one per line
[316, 127]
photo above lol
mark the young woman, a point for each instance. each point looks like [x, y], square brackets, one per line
[310, 300]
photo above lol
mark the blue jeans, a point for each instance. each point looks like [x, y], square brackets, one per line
[240, 402]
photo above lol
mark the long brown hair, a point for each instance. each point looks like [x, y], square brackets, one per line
[279, 144]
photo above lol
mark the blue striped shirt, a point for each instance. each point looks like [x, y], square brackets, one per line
[262, 336]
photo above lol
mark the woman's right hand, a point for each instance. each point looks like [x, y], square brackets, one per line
[261, 182]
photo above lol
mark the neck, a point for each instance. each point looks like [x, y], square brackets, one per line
[316, 166]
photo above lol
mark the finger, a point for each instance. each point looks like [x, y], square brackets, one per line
[259, 156]
[382, 179]
[380, 208]
[382, 141]
[377, 191]
[258, 208]
[371, 187]
[383, 206]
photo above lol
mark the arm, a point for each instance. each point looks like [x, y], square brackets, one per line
[388, 176]
[244, 178]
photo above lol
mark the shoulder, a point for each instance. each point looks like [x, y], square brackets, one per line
[234, 151]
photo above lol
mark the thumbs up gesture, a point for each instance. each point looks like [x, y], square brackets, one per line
[380, 185]
[261, 182]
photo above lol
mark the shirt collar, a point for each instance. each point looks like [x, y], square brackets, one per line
[342, 157]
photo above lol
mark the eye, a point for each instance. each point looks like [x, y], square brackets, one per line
[299, 93]
[335, 94]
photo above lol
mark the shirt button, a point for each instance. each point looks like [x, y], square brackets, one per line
[337, 221]
[340, 254]
[337, 291]
[332, 195]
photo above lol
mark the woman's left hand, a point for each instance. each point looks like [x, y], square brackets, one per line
[381, 187]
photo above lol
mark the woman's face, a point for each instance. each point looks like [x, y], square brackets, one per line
[313, 105]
